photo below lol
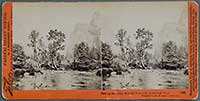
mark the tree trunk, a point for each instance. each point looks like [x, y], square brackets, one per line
[35, 54]
[55, 66]
[142, 62]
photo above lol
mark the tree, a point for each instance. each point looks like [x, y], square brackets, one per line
[81, 51]
[107, 55]
[81, 56]
[19, 56]
[169, 56]
[33, 43]
[130, 54]
[182, 54]
[106, 52]
[144, 39]
[42, 52]
[56, 44]
[169, 51]
[121, 38]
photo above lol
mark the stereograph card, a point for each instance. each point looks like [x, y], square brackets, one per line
[100, 50]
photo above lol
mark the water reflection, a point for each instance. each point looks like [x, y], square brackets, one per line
[137, 79]
[150, 79]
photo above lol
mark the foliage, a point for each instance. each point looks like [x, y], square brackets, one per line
[88, 59]
[94, 54]
[169, 51]
[130, 53]
[56, 44]
[33, 42]
[106, 52]
[42, 52]
[137, 54]
[19, 56]
[121, 38]
[107, 55]
[81, 56]
[144, 38]
[173, 57]
[182, 54]
[81, 51]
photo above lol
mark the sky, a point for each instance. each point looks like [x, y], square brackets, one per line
[167, 20]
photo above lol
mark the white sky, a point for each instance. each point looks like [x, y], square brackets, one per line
[167, 20]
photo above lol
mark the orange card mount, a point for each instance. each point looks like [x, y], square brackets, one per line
[100, 50]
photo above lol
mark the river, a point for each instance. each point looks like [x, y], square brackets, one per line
[77, 80]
